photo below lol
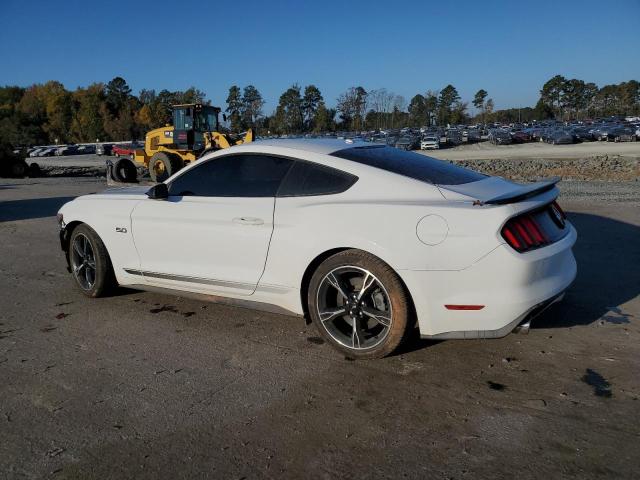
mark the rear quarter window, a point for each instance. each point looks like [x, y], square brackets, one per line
[307, 178]
[410, 164]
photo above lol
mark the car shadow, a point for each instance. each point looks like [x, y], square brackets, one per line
[31, 208]
[608, 254]
[122, 292]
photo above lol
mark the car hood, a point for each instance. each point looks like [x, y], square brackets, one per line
[137, 190]
[496, 190]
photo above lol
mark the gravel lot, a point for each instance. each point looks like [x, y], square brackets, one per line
[605, 161]
[533, 150]
[142, 385]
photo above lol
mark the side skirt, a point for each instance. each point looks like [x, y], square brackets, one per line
[234, 302]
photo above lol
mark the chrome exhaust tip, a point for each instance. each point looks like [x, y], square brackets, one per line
[523, 328]
[534, 312]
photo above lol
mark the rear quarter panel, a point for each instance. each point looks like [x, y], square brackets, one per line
[382, 219]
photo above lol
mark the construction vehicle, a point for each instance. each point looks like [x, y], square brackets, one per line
[195, 132]
[13, 162]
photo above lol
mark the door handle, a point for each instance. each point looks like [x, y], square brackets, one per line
[248, 221]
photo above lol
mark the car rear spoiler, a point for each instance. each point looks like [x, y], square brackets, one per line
[526, 191]
[499, 191]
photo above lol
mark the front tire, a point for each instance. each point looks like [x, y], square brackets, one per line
[359, 304]
[162, 165]
[90, 263]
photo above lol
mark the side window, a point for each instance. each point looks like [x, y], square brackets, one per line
[306, 178]
[233, 176]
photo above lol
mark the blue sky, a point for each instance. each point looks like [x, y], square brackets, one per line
[509, 48]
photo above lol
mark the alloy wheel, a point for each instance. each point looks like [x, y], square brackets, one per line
[83, 262]
[354, 307]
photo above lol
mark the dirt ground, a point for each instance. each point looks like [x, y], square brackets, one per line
[142, 385]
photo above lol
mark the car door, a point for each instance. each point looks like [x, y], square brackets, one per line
[212, 233]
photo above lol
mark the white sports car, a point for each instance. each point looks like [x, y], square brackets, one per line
[365, 240]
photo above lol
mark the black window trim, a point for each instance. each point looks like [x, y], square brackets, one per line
[354, 178]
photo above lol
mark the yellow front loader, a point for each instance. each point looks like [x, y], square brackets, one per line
[195, 131]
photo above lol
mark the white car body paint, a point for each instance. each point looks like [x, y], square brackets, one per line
[260, 248]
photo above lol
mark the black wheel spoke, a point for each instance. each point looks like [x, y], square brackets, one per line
[87, 276]
[77, 249]
[329, 315]
[356, 340]
[380, 316]
[336, 282]
[367, 283]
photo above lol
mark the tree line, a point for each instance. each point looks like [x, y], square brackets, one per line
[49, 113]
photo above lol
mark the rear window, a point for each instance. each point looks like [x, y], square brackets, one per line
[410, 164]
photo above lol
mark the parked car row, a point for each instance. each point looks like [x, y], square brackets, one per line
[61, 150]
[426, 138]
[562, 134]
[117, 149]
[408, 138]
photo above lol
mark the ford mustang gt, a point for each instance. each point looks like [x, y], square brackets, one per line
[366, 241]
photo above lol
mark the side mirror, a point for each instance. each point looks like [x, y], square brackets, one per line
[158, 192]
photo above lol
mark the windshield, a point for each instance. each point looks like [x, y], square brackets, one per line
[206, 122]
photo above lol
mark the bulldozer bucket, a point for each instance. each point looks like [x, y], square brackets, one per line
[248, 137]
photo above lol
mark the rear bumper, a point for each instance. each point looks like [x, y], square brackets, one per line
[510, 285]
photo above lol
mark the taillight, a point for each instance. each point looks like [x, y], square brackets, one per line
[524, 233]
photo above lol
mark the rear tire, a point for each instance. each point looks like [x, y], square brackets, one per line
[162, 165]
[90, 263]
[361, 323]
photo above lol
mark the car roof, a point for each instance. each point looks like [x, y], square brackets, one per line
[314, 145]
